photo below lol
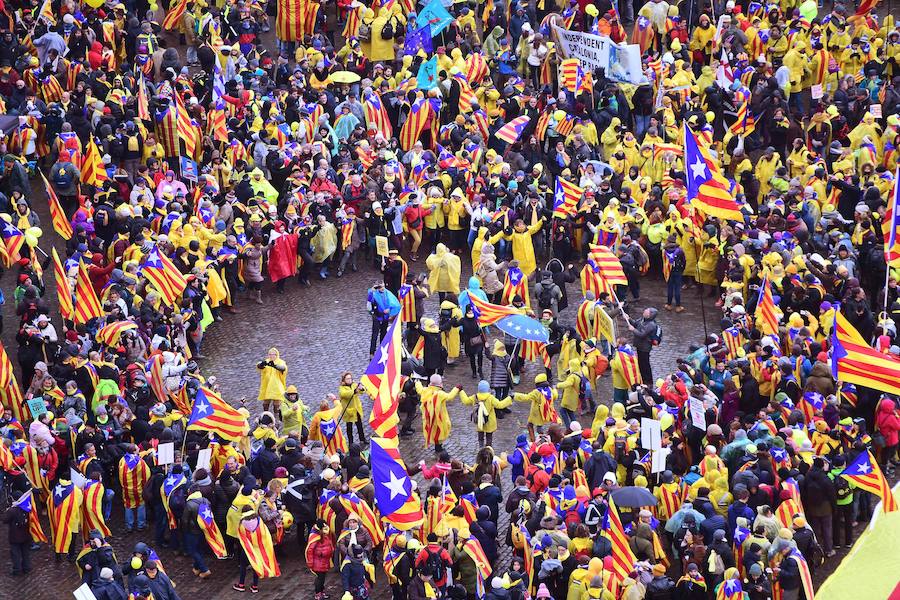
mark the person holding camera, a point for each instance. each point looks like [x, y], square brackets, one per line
[647, 334]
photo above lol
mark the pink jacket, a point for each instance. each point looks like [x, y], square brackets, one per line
[888, 423]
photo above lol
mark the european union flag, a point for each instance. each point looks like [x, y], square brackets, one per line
[435, 16]
[419, 40]
[427, 79]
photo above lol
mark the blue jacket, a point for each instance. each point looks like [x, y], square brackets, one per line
[379, 300]
[474, 288]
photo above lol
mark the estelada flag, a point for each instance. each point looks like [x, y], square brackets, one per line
[394, 495]
[170, 484]
[65, 514]
[416, 121]
[565, 198]
[174, 15]
[866, 474]
[211, 413]
[289, 23]
[92, 171]
[164, 276]
[26, 503]
[623, 557]
[854, 361]
[609, 266]
[92, 509]
[382, 381]
[630, 369]
[211, 531]
[707, 188]
[512, 131]
[133, 475]
[515, 284]
[766, 315]
[257, 544]
[109, 334]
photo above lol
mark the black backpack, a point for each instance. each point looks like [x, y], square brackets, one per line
[842, 488]
[387, 32]
[545, 299]
[434, 565]
[620, 447]
[656, 336]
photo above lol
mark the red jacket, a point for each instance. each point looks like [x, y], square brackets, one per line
[888, 423]
[319, 555]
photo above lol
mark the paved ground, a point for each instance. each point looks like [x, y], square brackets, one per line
[322, 332]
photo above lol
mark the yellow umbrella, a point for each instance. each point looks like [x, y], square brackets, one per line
[344, 77]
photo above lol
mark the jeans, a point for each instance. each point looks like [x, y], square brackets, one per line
[192, 548]
[641, 123]
[243, 563]
[634, 283]
[107, 504]
[140, 513]
[673, 288]
[567, 416]
[20, 554]
[485, 437]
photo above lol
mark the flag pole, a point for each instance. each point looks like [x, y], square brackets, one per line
[887, 281]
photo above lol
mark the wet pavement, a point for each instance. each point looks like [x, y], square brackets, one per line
[323, 331]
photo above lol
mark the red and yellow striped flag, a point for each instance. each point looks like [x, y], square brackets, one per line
[766, 315]
[92, 171]
[64, 503]
[57, 214]
[109, 334]
[608, 264]
[164, 276]
[174, 15]
[623, 557]
[186, 129]
[87, 306]
[26, 503]
[133, 475]
[257, 544]
[415, 122]
[33, 468]
[211, 413]
[210, 530]
[63, 291]
[92, 509]
[289, 20]
[143, 105]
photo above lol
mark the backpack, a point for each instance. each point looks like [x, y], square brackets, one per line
[387, 32]
[529, 477]
[62, 178]
[365, 32]
[679, 263]
[433, 565]
[842, 488]
[545, 298]
[620, 448]
[656, 336]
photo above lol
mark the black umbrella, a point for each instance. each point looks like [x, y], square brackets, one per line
[633, 497]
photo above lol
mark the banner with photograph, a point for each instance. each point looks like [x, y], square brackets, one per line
[621, 62]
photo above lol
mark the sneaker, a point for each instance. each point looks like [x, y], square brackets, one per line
[196, 571]
[667, 306]
[679, 309]
[238, 587]
[205, 574]
[254, 589]
[831, 553]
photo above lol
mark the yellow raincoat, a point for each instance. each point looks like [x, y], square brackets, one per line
[272, 380]
[523, 247]
[486, 414]
[349, 397]
[444, 269]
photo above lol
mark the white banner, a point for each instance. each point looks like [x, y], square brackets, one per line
[621, 62]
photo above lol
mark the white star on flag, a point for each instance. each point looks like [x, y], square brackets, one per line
[864, 469]
[698, 169]
[395, 485]
[59, 491]
[202, 407]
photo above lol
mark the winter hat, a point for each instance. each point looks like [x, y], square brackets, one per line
[436, 380]
[543, 592]
[106, 574]
[659, 570]
[483, 387]
[755, 570]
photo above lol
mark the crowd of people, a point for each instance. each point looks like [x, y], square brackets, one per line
[192, 152]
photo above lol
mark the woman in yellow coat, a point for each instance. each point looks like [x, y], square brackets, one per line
[272, 381]
[571, 386]
[444, 268]
[448, 324]
[543, 400]
[522, 246]
[435, 418]
[485, 413]
[348, 393]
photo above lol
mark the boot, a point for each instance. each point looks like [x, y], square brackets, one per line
[232, 310]
[278, 414]
[259, 297]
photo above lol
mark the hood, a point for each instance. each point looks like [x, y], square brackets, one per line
[474, 283]
[441, 250]
[886, 407]
[487, 248]
[653, 312]
[277, 353]
[497, 32]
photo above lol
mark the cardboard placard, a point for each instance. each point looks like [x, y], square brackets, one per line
[651, 434]
[84, 593]
[698, 414]
[165, 453]
[381, 245]
[37, 407]
[203, 458]
[816, 91]
[658, 464]
[875, 109]
[77, 478]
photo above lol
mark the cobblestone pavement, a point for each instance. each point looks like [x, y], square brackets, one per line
[322, 332]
